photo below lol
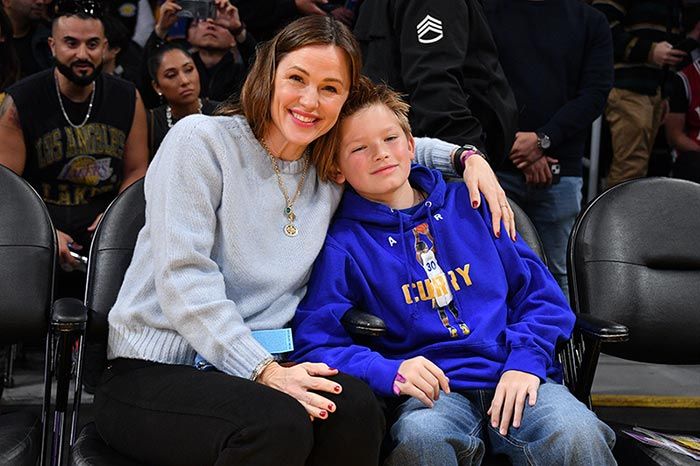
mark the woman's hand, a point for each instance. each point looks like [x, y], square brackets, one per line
[166, 18]
[479, 177]
[422, 380]
[509, 400]
[298, 380]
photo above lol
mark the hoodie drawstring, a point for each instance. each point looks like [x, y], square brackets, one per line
[402, 238]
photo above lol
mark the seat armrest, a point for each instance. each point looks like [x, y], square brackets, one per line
[98, 326]
[68, 314]
[600, 329]
[361, 323]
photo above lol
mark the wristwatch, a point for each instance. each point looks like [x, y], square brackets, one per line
[543, 141]
[461, 154]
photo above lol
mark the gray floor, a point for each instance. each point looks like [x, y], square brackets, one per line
[619, 376]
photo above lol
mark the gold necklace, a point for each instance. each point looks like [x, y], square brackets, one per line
[289, 229]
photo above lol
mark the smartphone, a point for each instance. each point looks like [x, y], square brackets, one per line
[556, 172]
[82, 261]
[687, 45]
[197, 9]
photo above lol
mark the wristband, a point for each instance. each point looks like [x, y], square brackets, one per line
[466, 154]
[261, 367]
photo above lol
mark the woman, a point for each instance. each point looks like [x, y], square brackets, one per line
[235, 216]
[175, 78]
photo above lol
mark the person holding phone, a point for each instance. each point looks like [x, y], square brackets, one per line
[224, 47]
[644, 32]
[559, 94]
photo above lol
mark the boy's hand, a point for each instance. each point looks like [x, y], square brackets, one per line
[422, 380]
[509, 400]
[479, 176]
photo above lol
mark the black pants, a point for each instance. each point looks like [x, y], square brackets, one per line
[162, 414]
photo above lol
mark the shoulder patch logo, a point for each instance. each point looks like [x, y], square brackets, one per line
[429, 30]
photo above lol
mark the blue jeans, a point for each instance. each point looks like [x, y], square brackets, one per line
[558, 430]
[553, 210]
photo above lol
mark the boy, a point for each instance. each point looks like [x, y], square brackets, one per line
[472, 316]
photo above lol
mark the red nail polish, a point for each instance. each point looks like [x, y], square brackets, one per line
[498, 234]
[336, 389]
[475, 204]
[323, 414]
[330, 407]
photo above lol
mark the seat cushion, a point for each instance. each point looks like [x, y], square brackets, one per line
[20, 439]
[91, 450]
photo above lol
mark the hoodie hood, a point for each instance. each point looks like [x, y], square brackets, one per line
[355, 207]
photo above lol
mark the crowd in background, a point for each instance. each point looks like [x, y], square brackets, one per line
[475, 73]
[90, 90]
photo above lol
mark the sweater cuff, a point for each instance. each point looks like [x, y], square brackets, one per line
[525, 359]
[441, 158]
[380, 375]
[244, 357]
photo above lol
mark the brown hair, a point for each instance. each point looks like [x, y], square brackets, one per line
[365, 94]
[256, 94]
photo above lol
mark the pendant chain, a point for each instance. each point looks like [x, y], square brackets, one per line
[63, 110]
[290, 229]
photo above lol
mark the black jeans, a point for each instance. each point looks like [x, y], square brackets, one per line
[162, 414]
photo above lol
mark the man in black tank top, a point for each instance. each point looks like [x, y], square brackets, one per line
[78, 136]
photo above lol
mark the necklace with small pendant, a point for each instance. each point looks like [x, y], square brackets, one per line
[290, 229]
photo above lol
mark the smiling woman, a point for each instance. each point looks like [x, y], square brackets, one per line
[235, 217]
[175, 78]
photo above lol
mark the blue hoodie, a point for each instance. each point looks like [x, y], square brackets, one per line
[489, 305]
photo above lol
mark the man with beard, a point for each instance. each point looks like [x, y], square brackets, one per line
[76, 135]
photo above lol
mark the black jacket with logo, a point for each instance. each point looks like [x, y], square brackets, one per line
[442, 55]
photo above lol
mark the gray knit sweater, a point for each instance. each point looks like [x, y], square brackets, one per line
[212, 262]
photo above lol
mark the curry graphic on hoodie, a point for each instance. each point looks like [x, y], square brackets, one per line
[438, 289]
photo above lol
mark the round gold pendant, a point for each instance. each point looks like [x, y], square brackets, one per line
[291, 230]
